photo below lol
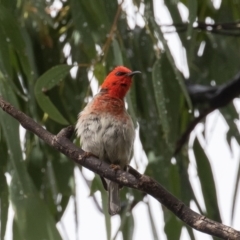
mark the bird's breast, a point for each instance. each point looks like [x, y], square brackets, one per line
[108, 105]
[107, 130]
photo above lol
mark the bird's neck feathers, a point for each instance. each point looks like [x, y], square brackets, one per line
[116, 87]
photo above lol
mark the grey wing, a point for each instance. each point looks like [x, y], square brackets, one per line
[118, 141]
[88, 129]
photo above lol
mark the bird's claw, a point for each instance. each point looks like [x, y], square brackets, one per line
[89, 154]
[115, 167]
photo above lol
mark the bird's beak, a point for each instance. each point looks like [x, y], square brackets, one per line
[132, 73]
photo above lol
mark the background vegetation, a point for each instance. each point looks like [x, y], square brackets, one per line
[53, 54]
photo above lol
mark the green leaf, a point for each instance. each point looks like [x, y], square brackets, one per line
[16, 234]
[207, 182]
[47, 81]
[176, 182]
[36, 160]
[97, 186]
[118, 60]
[13, 35]
[216, 50]
[230, 115]
[41, 12]
[160, 97]
[81, 25]
[153, 226]
[104, 195]
[179, 76]
[168, 99]
[183, 180]
[62, 184]
[192, 7]
[4, 203]
[27, 205]
[5, 65]
[190, 232]
[131, 109]
[176, 16]
[24, 197]
[99, 72]
[128, 226]
[170, 221]
[100, 24]
[158, 168]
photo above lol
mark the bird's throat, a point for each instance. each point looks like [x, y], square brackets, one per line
[117, 92]
[104, 102]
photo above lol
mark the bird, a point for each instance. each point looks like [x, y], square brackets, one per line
[106, 130]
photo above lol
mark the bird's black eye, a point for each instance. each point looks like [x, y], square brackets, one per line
[120, 73]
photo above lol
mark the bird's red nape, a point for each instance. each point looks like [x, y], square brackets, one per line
[118, 82]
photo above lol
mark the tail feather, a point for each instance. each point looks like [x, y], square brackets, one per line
[114, 204]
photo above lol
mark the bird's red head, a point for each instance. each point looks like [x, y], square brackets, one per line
[118, 81]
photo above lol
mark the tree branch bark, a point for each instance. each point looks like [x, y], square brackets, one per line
[132, 179]
[216, 97]
[227, 29]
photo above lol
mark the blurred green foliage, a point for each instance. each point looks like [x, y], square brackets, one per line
[49, 51]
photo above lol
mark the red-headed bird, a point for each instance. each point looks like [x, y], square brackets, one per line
[106, 130]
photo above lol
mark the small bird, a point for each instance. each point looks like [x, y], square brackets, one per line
[106, 130]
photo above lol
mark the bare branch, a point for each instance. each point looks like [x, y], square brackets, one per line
[228, 29]
[216, 97]
[131, 179]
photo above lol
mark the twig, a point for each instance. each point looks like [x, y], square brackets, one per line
[184, 137]
[216, 97]
[111, 33]
[229, 29]
[136, 181]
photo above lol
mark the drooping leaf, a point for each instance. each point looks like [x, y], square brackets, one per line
[28, 205]
[12, 34]
[81, 25]
[4, 203]
[117, 53]
[100, 24]
[179, 76]
[24, 197]
[128, 226]
[192, 6]
[100, 72]
[230, 115]
[152, 223]
[160, 98]
[171, 220]
[45, 83]
[207, 182]
[168, 99]
[5, 65]
[15, 231]
[108, 226]
[97, 186]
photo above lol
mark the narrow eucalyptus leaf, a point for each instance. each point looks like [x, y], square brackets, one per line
[47, 81]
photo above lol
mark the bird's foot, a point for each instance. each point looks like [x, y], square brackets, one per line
[89, 154]
[66, 132]
[115, 167]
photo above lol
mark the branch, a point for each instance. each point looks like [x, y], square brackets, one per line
[132, 179]
[229, 29]
[184, 137]
[112, 31]
[216, 97]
